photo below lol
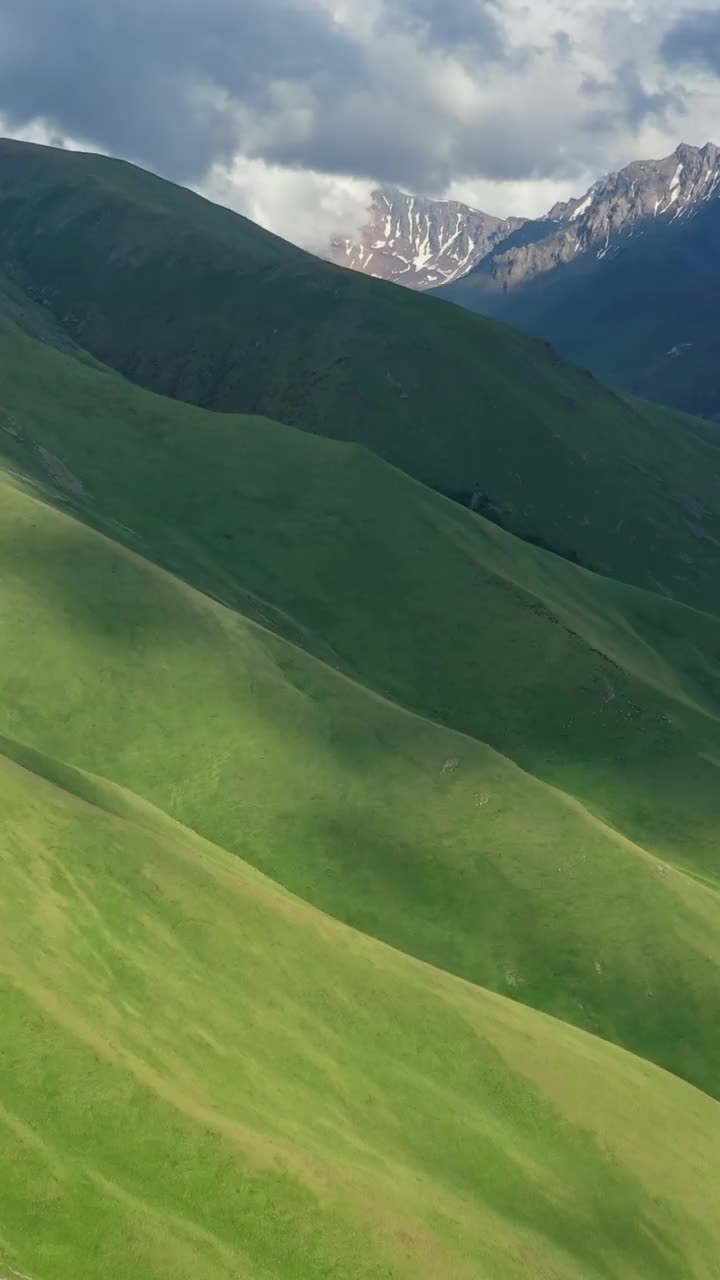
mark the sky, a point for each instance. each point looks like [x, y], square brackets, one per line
[292, 111]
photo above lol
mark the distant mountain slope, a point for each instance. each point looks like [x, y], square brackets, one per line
[454, 741]
[194, 301]
[419, 242]
[625, 280]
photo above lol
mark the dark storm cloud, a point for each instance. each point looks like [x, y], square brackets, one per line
[563, 43]
[157, 79]
[416, 92]
[624, 100]
[179, 85]
[694, 38]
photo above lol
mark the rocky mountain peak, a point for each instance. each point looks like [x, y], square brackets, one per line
[673, 187]
[427, 244]
[420, 242]
[612, 211]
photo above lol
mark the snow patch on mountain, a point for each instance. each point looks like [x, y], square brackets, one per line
[418, 242]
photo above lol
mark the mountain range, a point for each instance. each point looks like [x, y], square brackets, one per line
[359, 750]
[622, 279]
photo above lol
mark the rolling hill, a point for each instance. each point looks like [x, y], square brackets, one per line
[359, 896]
[295, 1099]
[195, 302]
[561, 724]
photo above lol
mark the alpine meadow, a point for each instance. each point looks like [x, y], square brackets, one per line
[359, 771]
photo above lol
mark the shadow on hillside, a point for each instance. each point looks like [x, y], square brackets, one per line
[528, 685]
[354, 804]
[85, 581]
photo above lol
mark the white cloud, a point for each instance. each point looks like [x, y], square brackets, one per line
[580, 91]
[300, 205]
[526, 199]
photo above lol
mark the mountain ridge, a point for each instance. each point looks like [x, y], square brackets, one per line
[611, 209]
[622, 279]
[419, 242]
[189, 300]
[407, 236]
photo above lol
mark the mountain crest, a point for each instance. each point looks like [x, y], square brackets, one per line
[426, 243]
[420, 242]
[673, 187]
[614, 209]
[622, 279]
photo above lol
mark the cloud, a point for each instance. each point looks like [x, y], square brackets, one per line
[563, 43]
[164, 81]
[286, 107]
[694, 38]
[306, 207]
[181, 86]
[624, 99]
[466, 25]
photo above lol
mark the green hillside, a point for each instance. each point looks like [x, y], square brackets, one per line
[194, 301]
[203, 1077]
[359, 890]
[561, 764]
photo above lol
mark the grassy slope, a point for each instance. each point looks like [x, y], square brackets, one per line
[300, 1100]
[297, 1100]
[405, 829]
[611, 693]
[191, 300]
